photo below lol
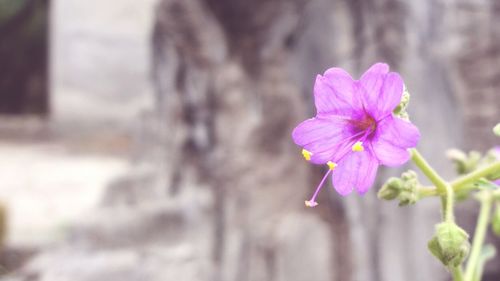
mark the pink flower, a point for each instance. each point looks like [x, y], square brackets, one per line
[355, 130]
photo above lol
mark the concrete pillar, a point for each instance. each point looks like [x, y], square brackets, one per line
[100, 55]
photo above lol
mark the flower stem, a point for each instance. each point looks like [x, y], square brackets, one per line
[462, 182]
[428, 171]
[479, 234]
[456, 271]
[441, 185]
[424, 191]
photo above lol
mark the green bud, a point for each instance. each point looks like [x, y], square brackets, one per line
[390, 190]
[496, 130]
[400, 110]
[409, 175]
[404, 189]
[491, 156]
[464, 163]
[450, 244]
[408, 194]
[407, 198]
[495, 221]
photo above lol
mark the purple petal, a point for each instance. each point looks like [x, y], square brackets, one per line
[381, 90]
[322, 137]
[356, 171]
[392, 139]
[335, 93]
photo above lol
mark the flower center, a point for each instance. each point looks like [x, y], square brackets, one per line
[367, 123]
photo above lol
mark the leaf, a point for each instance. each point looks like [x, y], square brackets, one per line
[486, 185]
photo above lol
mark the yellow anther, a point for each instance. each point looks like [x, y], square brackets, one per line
[307, 155]
[311, 204]
[358, 146]
[331, 165]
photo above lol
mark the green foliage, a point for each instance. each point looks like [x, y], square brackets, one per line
[483, 184]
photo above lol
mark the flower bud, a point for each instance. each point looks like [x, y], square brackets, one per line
[409, 194]
[407, 198]
[495, 221]
[409, 176]
[391, 189]
[450, 244]
[496, 130]
[404, 189]
[400, 110]
[492, 156]
[464, 163]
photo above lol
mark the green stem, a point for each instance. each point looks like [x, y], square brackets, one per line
[428, 171]
[456, 271]
[464, 181]
[441, 185]
[424, 191]
[479, 235]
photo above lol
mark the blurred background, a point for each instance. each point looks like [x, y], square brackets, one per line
[150, 140]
